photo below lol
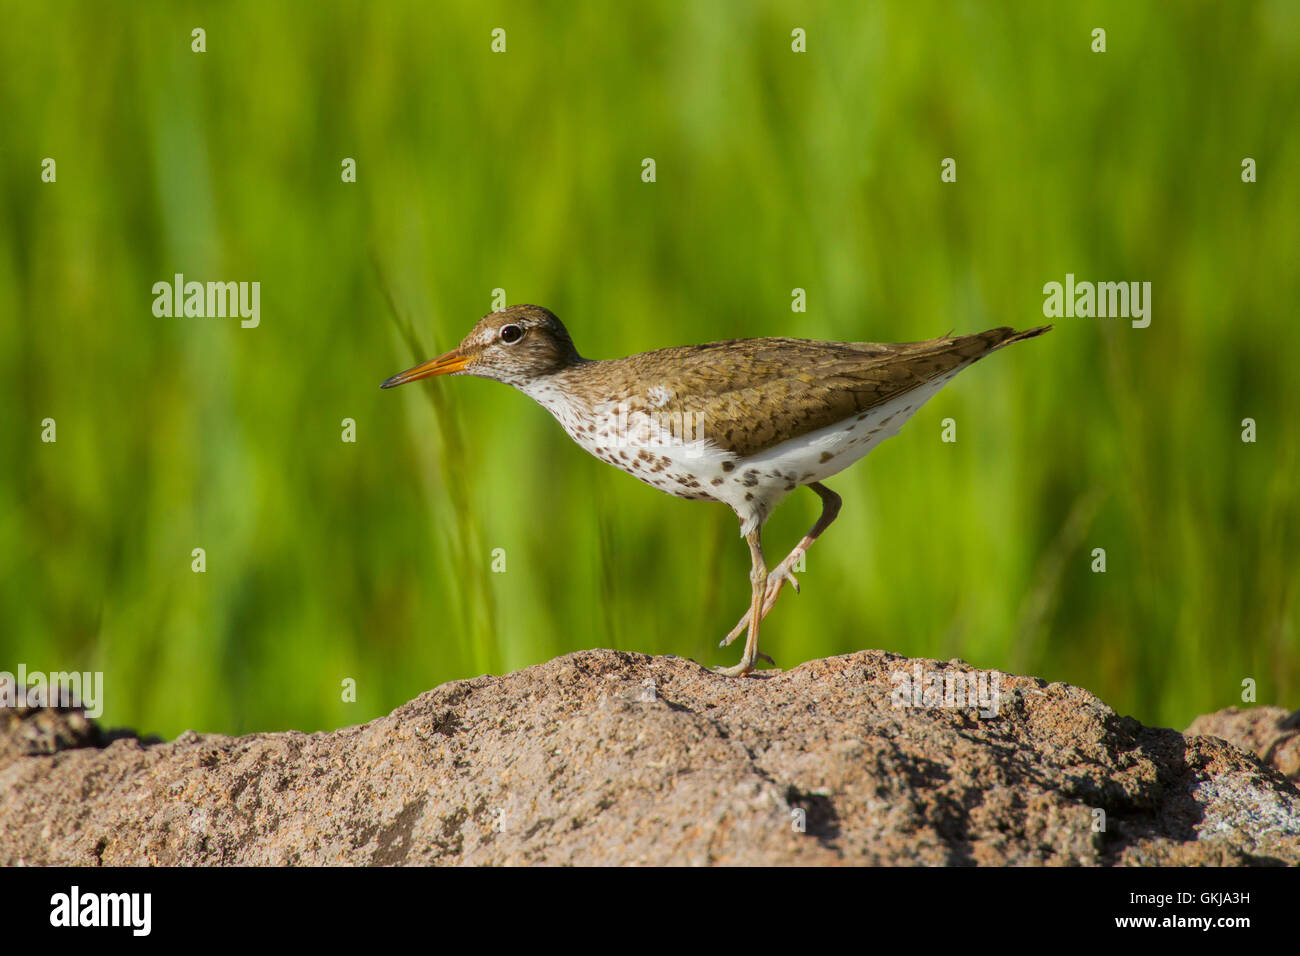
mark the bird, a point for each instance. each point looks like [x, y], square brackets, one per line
[743, 422]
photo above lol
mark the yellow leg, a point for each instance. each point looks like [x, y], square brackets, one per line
[783, 572]
[758, 584]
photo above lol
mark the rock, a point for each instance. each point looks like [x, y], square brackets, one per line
[44, 730]
[1268, 732]
[603, 757]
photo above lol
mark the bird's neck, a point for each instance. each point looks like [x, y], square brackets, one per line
[563, 392]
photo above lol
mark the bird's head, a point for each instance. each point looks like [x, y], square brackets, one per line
[516, 346]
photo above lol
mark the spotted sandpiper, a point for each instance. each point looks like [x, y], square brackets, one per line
[743, 422]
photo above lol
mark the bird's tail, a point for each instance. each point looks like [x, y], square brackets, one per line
[1005, 336]
[972, 347]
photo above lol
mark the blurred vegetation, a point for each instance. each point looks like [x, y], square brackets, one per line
[776, 170]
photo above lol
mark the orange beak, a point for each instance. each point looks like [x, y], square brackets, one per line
[444, 364]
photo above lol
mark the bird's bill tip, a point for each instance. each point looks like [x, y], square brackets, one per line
[445, 364]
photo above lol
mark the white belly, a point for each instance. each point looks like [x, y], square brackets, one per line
[759, 482]
[700, 470]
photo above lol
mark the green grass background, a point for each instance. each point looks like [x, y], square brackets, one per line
[521, 170]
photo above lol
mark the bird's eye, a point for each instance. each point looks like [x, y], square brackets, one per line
[510, 334]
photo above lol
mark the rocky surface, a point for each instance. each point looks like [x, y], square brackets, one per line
[1268, 732]
[603, 757]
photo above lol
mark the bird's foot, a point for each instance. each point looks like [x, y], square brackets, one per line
[740, 670]
[775, 581]
[746, 666]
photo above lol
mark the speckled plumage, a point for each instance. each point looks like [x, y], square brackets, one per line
[743, 422]
[756, 393]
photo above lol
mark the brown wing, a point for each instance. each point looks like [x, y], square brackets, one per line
[752, 394]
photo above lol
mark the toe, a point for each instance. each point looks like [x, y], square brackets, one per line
[740, 670]
[735, 632]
